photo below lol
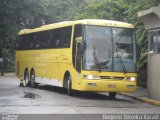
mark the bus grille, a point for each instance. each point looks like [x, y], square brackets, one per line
[110, 77]
[105, 77]
[119, 78]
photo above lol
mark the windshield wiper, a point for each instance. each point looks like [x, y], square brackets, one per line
[96, 59]
[122, 64]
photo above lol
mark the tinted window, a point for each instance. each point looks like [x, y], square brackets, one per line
[30, 41]
[56, 38]
[150, 37]
[24, 42]
[153, 41]
[61, 37]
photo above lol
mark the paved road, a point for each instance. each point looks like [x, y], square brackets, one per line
[52, 100]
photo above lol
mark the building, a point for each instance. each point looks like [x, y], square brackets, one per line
[151, 20]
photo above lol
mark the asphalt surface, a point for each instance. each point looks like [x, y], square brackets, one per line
[54, 101]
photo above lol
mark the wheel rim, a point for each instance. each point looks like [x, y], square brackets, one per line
[69, 86]
[27, 79]
[32, 80]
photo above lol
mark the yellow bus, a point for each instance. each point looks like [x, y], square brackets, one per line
[83, 55]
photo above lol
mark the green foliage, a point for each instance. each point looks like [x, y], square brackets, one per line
[16, 15]
[104, 9]
[137, 6]
[62, 10]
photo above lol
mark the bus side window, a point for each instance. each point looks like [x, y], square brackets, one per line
[31, 45]
[42, 41]
[24, 42]
[57, 38]
[67, 31]
[57, 43]
[47, 41]
[53, 39]
[34, 42]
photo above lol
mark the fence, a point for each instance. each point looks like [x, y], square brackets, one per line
[6, 66]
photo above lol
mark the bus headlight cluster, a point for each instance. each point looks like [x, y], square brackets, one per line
[132, 79]
[91, 77]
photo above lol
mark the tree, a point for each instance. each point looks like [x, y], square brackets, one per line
[16, 15]
[104, 9]
[62, 10]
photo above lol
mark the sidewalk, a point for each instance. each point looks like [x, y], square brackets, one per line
[141, 94]
[8, 74]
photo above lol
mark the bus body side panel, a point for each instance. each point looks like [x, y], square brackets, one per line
[43, 62]
[47, 67]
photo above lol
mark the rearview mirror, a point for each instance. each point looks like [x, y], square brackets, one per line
[79, 39]
[80, 45]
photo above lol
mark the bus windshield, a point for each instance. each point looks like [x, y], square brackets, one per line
[109, 49]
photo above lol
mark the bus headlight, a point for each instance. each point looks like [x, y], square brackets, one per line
[91, 77]
[132, 79]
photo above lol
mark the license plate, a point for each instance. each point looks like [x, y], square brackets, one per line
[111, 86]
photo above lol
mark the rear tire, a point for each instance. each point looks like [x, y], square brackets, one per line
[112, 95]
[32, 78]
[26, 81]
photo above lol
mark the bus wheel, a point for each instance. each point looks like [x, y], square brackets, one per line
[112, 95]
[69, 86]
[32, 78]
[26, 79]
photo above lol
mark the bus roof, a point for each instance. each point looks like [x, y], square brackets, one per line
[84, 22]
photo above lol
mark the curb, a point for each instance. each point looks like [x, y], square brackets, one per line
[143, 99]
[8, 74]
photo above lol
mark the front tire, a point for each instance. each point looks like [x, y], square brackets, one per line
[69, 86]
[112, 95]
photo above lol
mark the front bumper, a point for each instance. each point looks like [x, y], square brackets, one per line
[106, 86]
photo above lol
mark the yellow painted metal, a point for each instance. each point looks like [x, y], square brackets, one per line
[53, 63]
[103, 84]
[85, 22]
